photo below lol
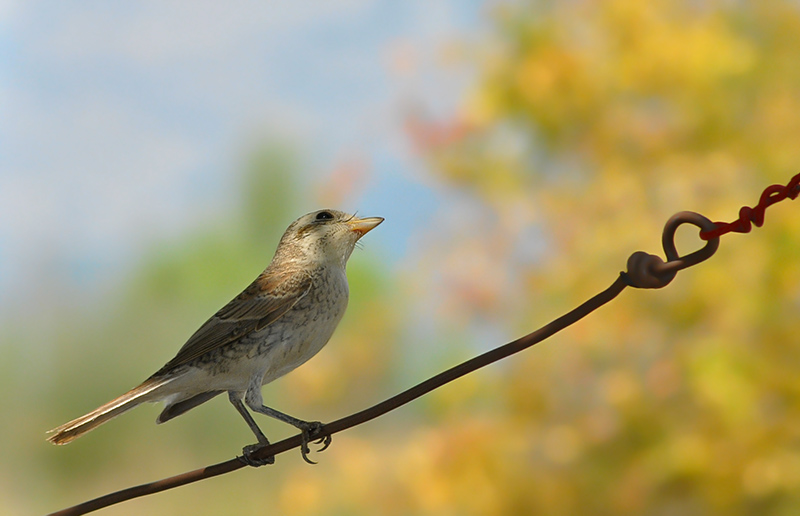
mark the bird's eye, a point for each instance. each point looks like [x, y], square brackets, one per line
[324, 215]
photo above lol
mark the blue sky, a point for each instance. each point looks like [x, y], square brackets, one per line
[123, 123]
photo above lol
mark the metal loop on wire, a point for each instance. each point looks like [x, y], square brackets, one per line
[649, 271]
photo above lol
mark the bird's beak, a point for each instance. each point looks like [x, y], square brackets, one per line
[363, 226]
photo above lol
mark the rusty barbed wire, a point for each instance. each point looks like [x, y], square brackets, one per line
[749, 216]
[644, 271]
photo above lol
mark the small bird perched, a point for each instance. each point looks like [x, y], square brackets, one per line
[276, 324]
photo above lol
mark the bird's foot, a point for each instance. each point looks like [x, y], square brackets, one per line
[310, 432]
[249, 450]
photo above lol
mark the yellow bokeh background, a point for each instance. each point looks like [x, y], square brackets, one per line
[589, 125]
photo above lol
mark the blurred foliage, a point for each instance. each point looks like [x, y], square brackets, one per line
[590, 124]
[594, 122]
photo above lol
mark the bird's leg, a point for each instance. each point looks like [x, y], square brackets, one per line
[309, 430]
[247, 451]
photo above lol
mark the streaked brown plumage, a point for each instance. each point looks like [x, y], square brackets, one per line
[276, 324]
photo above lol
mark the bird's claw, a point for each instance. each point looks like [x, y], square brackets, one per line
[309, 432]
[325, 442]
[249, 450]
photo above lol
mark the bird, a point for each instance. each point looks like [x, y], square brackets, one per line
[281, 320]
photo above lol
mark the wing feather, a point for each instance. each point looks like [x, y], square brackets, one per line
[262, 303]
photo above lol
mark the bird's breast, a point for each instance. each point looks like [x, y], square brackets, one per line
[307, 327]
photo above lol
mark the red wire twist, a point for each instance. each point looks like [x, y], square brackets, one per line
[749, 216]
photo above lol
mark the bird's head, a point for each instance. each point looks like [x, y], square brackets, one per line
[324, 236]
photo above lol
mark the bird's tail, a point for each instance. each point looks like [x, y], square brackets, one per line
[134, 397]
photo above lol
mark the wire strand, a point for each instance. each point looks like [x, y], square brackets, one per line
[755, 216]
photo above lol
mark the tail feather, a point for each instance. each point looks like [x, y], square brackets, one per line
[77, 427]
[176, 409]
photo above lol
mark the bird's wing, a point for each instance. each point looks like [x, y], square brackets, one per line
[266, 299]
